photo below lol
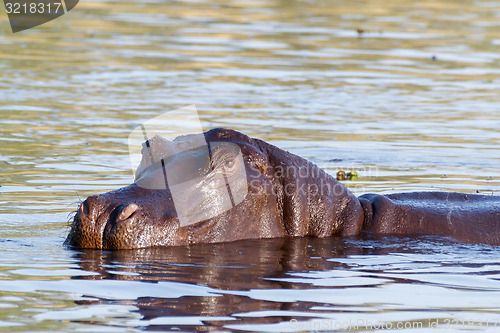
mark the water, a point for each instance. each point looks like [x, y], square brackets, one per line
[410, 102]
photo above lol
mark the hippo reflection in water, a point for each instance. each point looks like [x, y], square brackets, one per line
[245, 188]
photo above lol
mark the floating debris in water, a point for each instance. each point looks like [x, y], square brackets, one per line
[352, 175]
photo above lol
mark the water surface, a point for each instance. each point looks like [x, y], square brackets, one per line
[405, 93]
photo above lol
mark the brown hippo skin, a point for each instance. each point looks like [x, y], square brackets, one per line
[280, 202]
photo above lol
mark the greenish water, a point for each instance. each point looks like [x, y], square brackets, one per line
[410, 103]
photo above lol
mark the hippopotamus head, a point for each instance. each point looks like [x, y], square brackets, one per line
[216, 186]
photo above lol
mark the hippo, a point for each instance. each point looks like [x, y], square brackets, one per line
[245, 188]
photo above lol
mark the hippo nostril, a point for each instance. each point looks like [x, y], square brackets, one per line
[84, 209]
[89, 208]
[128, 211]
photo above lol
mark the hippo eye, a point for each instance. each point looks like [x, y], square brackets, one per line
[229, 163]
[224, 156]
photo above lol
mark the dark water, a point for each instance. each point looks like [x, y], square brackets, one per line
[405, 93]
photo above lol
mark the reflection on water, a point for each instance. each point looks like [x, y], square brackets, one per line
[263, 285]
[405, 93]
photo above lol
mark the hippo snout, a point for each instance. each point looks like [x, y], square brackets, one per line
[98, 222]
[124, 220]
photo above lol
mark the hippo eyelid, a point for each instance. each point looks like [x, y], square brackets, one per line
[222, 153]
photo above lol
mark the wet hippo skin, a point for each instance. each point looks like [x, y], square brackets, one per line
[284, 196]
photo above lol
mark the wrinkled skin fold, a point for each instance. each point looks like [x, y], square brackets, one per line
[261, 191]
